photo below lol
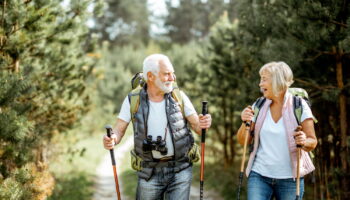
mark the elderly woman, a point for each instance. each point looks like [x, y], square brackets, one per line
[272, 165]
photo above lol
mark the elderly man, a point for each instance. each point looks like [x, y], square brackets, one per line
[166, 168]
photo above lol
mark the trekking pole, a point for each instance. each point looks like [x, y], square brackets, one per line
[241, 173]
[204, 112]
[298, 167]
[111, 151]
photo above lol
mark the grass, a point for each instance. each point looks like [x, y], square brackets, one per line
[216, 178]
[75, 171]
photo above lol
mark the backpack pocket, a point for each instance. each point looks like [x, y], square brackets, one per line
[136, 161]
[193, 154]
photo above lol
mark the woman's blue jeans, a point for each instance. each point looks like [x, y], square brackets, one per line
[264, 188]
[165, 183]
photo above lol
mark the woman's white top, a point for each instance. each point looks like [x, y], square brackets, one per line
[273, 157]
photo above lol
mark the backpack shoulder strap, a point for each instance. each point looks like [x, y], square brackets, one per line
[257, 106]
[298, 108]
[176, 94]
[134, 100]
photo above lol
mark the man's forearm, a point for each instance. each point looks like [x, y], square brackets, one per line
[120, 130]
[198, 130]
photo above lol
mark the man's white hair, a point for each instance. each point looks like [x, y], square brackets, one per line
[281, 75]
[151, 64]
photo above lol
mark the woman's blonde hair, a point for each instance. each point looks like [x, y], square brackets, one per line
[281, 75]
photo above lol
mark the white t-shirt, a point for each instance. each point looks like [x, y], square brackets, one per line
[273, 158]
[157, 121]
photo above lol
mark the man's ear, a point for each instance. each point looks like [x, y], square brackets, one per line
[150, 76]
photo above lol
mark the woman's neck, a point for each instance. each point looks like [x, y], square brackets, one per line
[278, 100]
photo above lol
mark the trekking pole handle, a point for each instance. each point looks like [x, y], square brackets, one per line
[298, 128]
[109, 131]
[204, 112]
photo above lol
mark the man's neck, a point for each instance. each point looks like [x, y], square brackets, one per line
[155, 94]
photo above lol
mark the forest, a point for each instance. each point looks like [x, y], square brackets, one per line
[66, 67]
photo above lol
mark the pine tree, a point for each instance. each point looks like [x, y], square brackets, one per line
[123, 22]
[192, 19]
[43, 70]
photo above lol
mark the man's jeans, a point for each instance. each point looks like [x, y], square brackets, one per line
[264, 188]
[164, 181]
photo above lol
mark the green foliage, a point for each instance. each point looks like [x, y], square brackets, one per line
[80, 153]
[192, 19]
[43, 73]
[117, 67]
[74, 186]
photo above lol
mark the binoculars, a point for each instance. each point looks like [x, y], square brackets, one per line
[158, 145]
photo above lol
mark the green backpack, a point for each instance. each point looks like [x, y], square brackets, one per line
[298, 95]
[137, 83]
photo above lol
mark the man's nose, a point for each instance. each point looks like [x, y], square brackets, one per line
[172, 77]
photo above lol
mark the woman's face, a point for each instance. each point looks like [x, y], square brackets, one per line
[266, 84]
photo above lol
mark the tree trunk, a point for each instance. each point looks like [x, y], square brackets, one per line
[224, 104]
[342, 115]
[226, 157]
[15, 68]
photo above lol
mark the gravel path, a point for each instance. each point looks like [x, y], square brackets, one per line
[105, 186]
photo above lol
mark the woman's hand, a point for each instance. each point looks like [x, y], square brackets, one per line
[305, 135]
[299, 136]
[247, 114]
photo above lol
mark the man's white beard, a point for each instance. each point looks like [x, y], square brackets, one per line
[163, 85]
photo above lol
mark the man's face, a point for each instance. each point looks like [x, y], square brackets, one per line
[166, 77]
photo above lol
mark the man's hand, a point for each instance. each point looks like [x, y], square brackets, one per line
[116, 136]
[204, 121]
[109, 142]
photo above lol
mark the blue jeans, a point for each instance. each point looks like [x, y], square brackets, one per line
[165, 182]
[261, 188]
